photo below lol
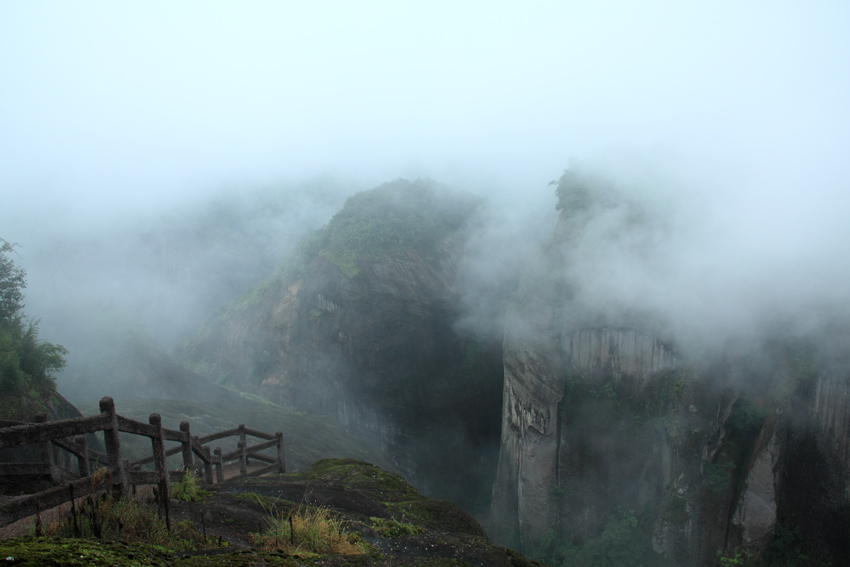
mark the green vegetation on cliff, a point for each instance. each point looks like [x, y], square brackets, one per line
[401, 215]
[27, 363]
[397, 216]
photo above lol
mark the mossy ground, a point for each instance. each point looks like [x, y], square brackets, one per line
[401, 526]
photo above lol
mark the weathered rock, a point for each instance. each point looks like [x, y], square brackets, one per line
[757, 506]
[742, 451]
[367, 335]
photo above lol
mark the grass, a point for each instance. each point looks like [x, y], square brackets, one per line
[308, 531]
[106, 517]
[189, 489]
[392, 528]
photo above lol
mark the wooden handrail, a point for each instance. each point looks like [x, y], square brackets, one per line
[29, 434]
[60, 432]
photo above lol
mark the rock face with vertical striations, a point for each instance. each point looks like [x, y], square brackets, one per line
[617, 447]
[359, 325]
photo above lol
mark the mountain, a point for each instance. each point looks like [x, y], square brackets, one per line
[622, 445]
[359, 324]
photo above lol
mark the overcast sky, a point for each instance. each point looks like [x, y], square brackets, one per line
[111, 106]
[110, 109]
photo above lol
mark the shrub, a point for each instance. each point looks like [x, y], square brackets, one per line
[621, 544]
[189, 489]
[308, 531]
[392, 528]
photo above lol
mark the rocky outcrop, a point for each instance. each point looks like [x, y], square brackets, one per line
[755, 513]
[608, 429]
[367, 335]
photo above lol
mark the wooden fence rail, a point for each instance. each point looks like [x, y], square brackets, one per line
[69, 435]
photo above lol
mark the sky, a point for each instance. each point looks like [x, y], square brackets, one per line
[114, 106]
[110, 110]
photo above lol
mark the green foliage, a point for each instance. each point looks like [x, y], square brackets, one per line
[606, 391]
[803, 359]
[127, 520]
[12, 283]
[189, 489]
[678, 389]
[26, 362]
[802, 362]
[392, 528]
[731, 560]
[785, 548]
[401, 215]
[674, 509]
[717, 475]
[574, 192]
[621, 544]
[748, 418]
[579, 192]
[308, 531]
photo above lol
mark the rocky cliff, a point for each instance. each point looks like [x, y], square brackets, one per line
[615, 444]
[359, 325]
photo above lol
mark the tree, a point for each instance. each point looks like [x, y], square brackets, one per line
[25, 360]
[12, 283]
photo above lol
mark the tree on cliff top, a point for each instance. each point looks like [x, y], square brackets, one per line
[400, 215]
[26, 362]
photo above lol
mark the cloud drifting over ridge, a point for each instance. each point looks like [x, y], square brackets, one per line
[116, 105]
[114, 110]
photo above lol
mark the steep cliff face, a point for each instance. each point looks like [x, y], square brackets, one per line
[362, 329]
[614, 443]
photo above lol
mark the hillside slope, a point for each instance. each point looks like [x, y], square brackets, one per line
[390, 522]
[359, 325]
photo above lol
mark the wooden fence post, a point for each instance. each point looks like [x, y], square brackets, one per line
[161, 466]
[243, 451]
[113, 447]
[45, 450]
[188, 458]
[85, 466]
[219, 472]
[243, 459]
[208, 466]
[281, 456]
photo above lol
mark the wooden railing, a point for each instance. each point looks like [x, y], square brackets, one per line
[69, 435]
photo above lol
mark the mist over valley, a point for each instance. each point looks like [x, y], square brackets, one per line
[580, 270]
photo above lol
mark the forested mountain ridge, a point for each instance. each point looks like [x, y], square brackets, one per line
[359, 324]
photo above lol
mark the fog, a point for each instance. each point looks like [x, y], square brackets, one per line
[731, 120]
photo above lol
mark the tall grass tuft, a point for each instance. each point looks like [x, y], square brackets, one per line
[103, 516]
[308, 531]
[189, 489]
